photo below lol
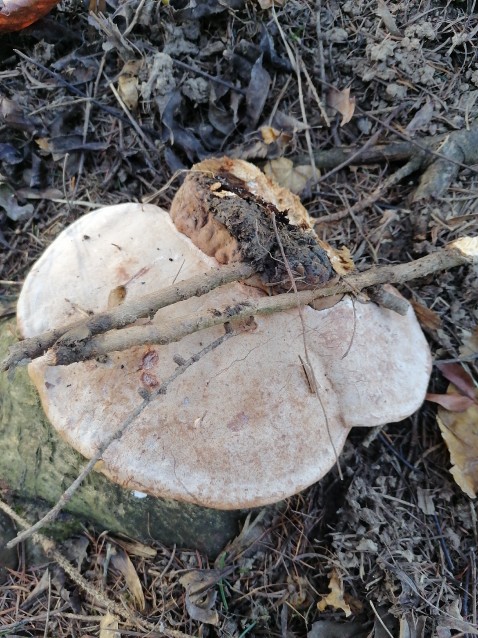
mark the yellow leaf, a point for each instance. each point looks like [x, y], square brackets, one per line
[335, 598]
[340, 258]
[269, 134]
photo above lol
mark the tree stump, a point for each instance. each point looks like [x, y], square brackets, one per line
[37, 464]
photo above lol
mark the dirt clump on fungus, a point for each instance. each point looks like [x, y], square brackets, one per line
[231, 223]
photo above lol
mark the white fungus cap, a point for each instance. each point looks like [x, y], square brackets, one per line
[241, 427]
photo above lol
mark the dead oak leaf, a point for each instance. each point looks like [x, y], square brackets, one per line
[335, 598]
[457, 418]
[342, 102]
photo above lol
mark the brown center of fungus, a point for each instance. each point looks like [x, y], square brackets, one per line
[234, 218]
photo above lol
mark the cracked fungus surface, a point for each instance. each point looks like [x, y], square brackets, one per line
[240, 427]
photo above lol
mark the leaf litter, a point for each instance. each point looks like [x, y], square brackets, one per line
[208, 78]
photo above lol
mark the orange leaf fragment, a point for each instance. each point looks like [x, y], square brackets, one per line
[428, 318]
[19, 14]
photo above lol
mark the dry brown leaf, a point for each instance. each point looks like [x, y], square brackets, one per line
[200, 597]
[335, 598]
[128, 87]
[135, 548]
[460, 429]
[283, 171]
[451, 402]
[456, 374]
[122, 562]
[460, 432]
[428, 318]
[108, 626]
[341, 102]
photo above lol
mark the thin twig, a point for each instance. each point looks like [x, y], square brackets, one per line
[132, 121]
[360, 151]
[410, 167]
[135, 19]
[75, 91]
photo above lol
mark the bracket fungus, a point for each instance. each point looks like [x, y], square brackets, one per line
[241, 427]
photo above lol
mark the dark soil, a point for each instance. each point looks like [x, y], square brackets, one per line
[99, 109]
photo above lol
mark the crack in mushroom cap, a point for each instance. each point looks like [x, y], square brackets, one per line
[240, 428]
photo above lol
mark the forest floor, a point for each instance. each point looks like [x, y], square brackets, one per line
[109, 107]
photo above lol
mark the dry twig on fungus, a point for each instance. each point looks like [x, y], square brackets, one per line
[82, 349]
[124, 314]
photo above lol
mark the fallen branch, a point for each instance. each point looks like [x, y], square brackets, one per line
[442, 156]
[460, 252]
[125, 314]
[407, 169]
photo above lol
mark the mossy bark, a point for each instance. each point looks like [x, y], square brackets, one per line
[36, 463]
